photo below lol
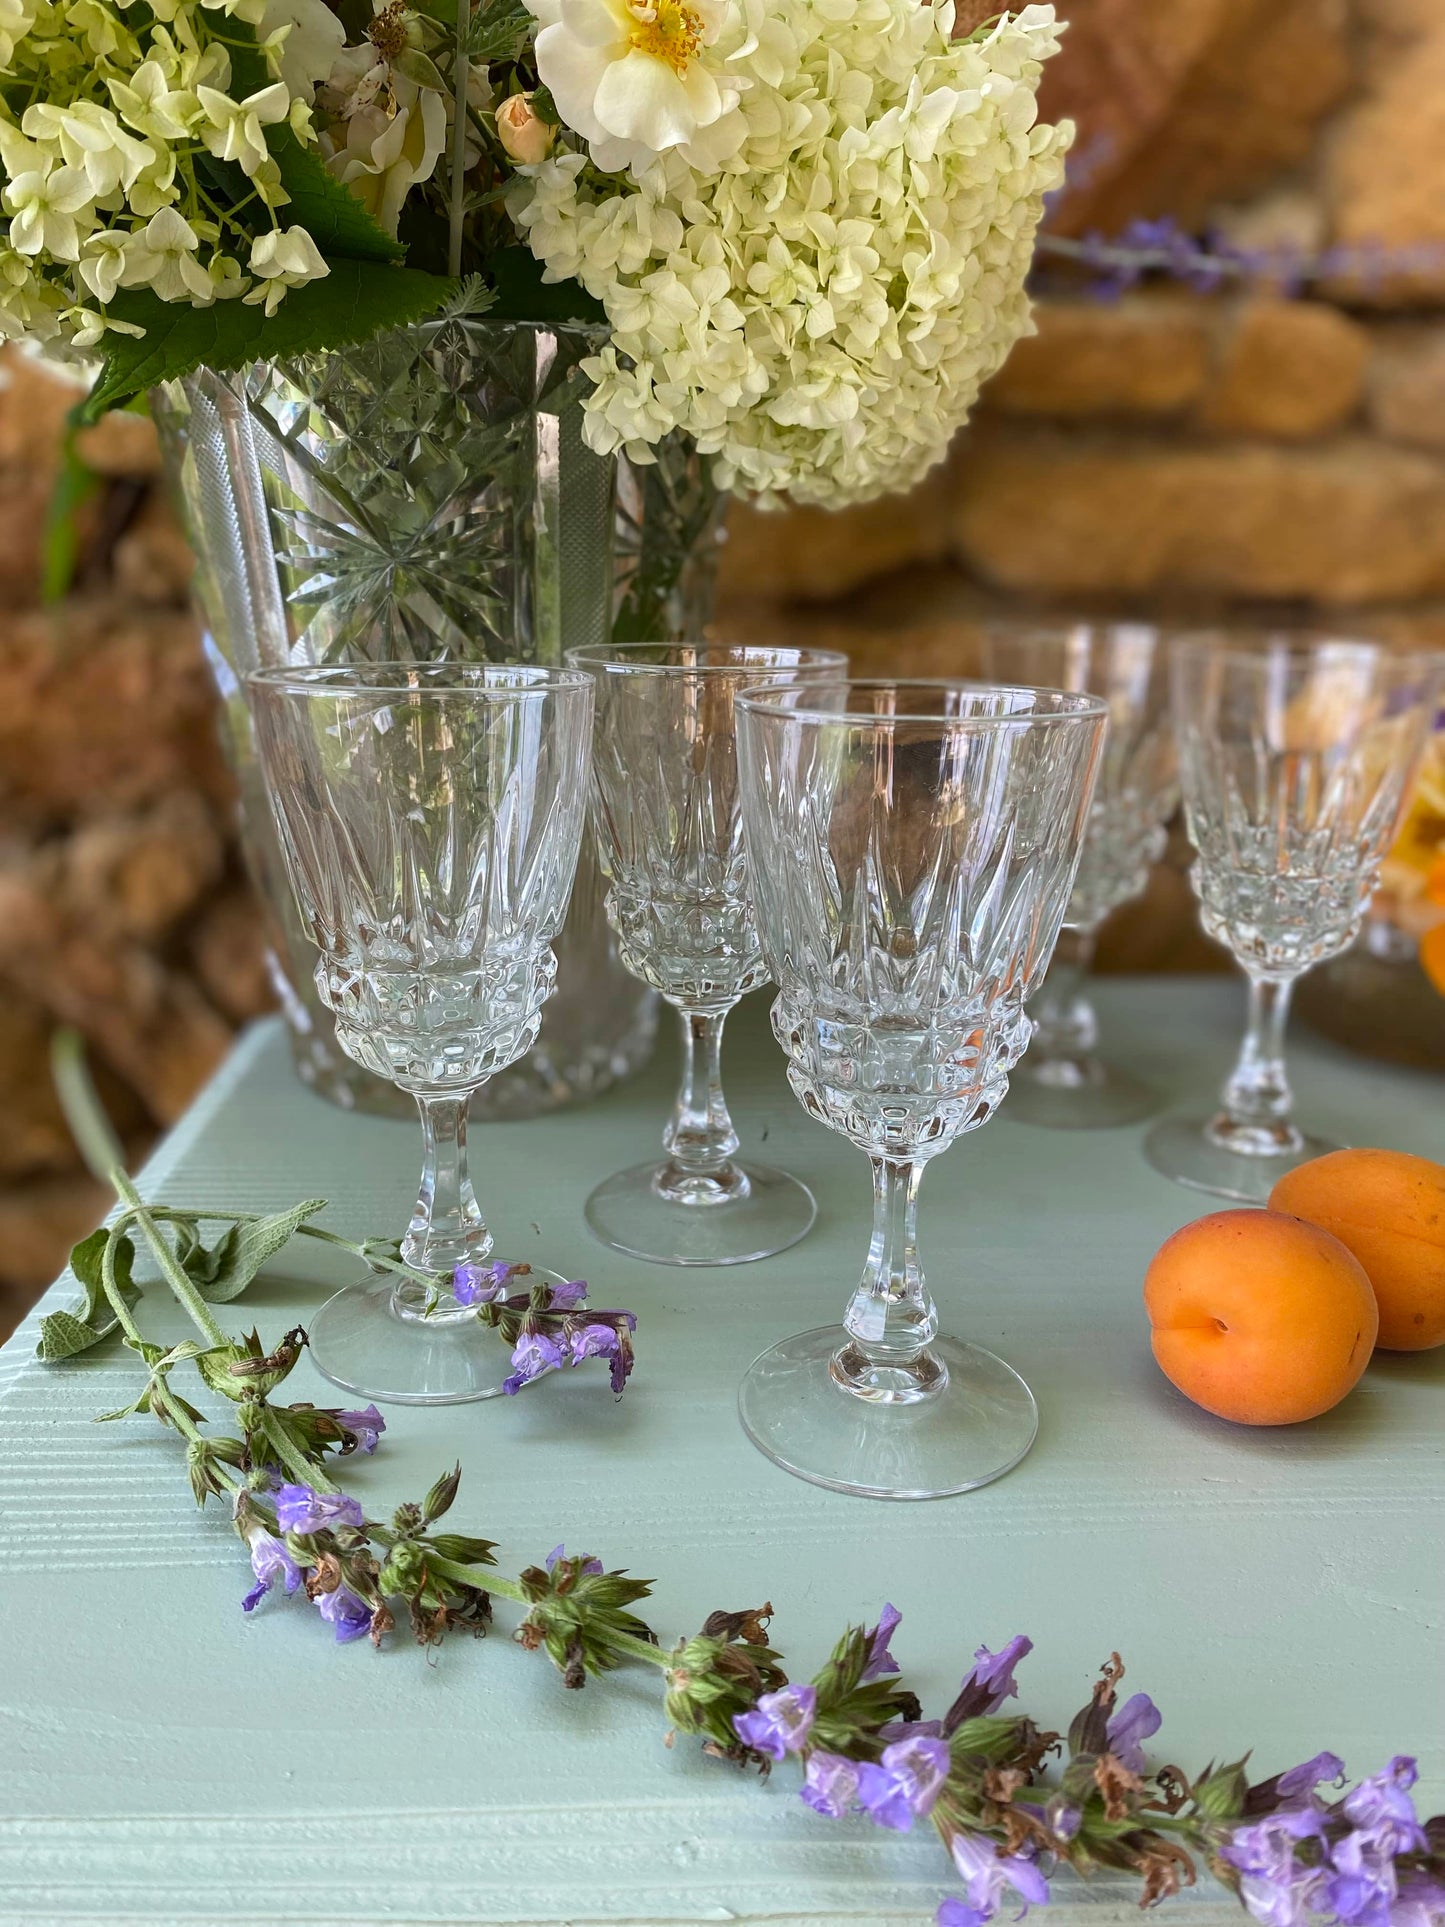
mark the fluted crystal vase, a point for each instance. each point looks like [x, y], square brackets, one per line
[428, 496]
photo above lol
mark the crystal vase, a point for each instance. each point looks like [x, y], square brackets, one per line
[429, 496]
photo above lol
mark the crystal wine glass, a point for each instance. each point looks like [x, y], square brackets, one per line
[665, 805]
[429, 817]
[1295, 755]
[912, 847]
[1062, 1082]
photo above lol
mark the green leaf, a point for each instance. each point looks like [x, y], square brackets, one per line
[330, 213]
[86, 1260]
[246, 1247]
[356, 300]
[215, 1368]
[62, 1335]
[522, 294]
[499, 29]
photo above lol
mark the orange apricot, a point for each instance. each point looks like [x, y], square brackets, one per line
[1260, 1317]
[1388, 1208]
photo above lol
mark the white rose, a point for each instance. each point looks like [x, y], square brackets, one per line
[633, 77]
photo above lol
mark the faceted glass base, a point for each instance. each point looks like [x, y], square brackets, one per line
[973, 1429]
[1182, 1148]
[360, 1342]
[1077, 1094]
[631, 1213]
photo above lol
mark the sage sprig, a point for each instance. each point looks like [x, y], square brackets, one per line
[1010, 1801]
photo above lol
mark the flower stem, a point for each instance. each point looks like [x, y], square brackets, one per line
[639, 1649]
[456, 190]
[480, 1576]
[102, 1151]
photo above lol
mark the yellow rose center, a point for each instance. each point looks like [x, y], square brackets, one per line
[667, 30]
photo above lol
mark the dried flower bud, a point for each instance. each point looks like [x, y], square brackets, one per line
[525, 136]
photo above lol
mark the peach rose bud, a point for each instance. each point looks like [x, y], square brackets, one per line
[524, 135]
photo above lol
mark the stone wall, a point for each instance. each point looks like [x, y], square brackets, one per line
[1170, 454]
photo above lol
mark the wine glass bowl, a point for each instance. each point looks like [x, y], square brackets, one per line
[912, 848]
[429, 816]
[668, 826]
[1063, 1082]
[1296, 752]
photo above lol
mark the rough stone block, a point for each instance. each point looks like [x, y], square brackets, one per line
[1146, 357]
[1290, 370]
[1352, 522]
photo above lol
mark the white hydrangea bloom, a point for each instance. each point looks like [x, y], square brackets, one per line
[286, 259]
[234, 130]
[820, 308]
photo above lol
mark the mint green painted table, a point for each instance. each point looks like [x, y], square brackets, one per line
[164, 1759]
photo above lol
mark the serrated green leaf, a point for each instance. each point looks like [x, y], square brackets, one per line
[330, 213]
[499, 29]
[62, 1335]
[246, 1247]
[356, 300]
[522, 294]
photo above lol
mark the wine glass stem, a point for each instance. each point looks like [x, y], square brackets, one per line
[1257, 1099]
[891, 1318]
[1065, 1026]
[700, 1139]
[446, 1227]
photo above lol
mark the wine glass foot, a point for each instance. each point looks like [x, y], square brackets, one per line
[360, 1342]
[972, 1430]
[1077, 1094]
[630, 1213]
[1181, 1148]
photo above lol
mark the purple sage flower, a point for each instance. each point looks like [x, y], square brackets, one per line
[1137, 1720]
[904, 1784]
[481, 1284]
[1062, 1819]
[958, 1913]
[880, 1660]
[593, 1341]
[993, 1673]
[534, 1355]
[830, 1784]
[270, 1561]
[780, 1722]
[366, 1427]
[301, 1509]
[567, 1296]
[1361, 1885]
[1382, 1808]
[589, 1564]
[349, 1615]
[986, 1873]
[1273, 1885]
[1301, 1781]
[1419, 1903]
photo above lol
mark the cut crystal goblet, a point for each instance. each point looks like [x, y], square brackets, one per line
[1295, 756]
[1062, 1082]
[429, 817]
[912, 848]
[669, 832]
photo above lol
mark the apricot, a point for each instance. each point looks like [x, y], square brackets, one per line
[1259, 1317]
[1388, 1208]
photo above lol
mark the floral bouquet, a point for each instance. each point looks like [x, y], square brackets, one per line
[805, 223]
